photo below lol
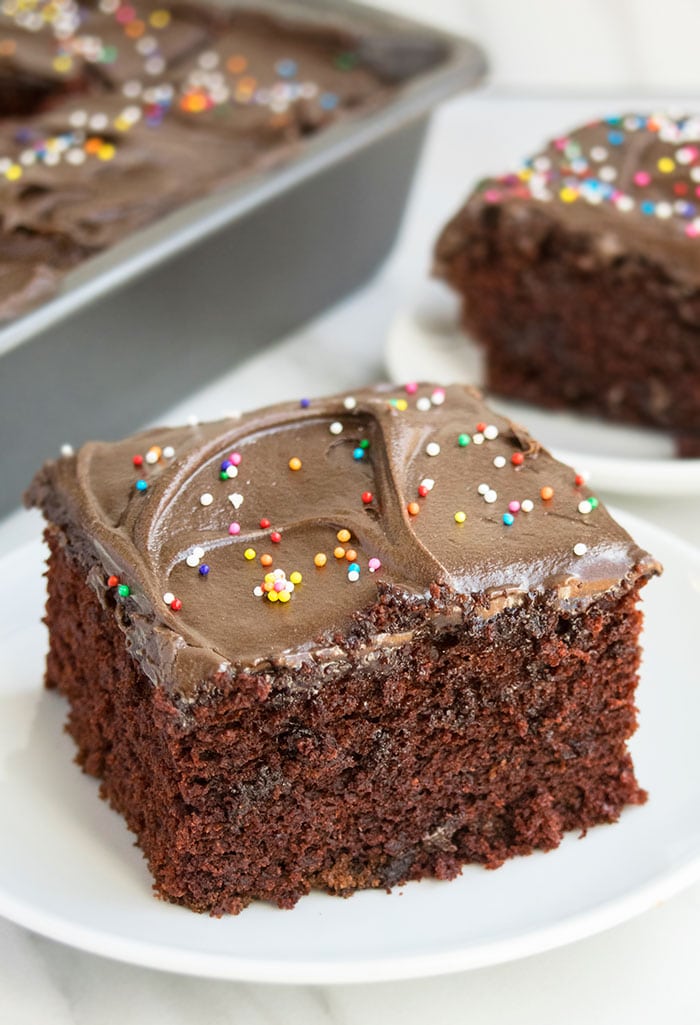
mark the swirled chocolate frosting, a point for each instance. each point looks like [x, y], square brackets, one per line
[630, 182]
[268, 539]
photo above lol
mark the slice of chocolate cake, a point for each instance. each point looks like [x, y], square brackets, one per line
[343, 643]
[580, 273]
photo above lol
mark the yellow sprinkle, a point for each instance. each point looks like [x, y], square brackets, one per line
[666, 165]
[160, 19]
[249, 554]
[295, 577]
[62, 64]
[401, 404]
[273, 596]
[269, 578]
[460, 517]
[121, 124]
[343, 535]
[320, 559]
[568, 195]
[283, 596]
[295, 463]
[525, 174]
[106, 151]
[339, 552]
[13, 172]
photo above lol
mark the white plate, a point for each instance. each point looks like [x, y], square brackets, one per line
[425, 344]
[69, 870]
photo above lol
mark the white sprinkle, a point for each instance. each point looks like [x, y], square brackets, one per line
[192, 559]
[483, 488]
[695, 174]
[353, 575]
[278, 574]
[438, 397]
[236, 500]
[428, 483]
[490, 496]
[198, 551]
[527, 505]
[491, 432]
[75, 157]
[66, 450]
[231, 471]
[258, 592]
[663, 210]
[168, 451]
[288, 586]
[607, 173]
[168, 597]
[78, 119]
[423, 404]
[499, 462]
[580, 548]
[152, 457]
[585, 507]
[432, 449]
[478, 438]
[599, 153]
[98, 122]
[206, 499]
[336, 427]
[625, 203]
[193, 420]
[350, 402]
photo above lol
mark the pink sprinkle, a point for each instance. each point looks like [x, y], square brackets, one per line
[514, 507]
[642, 178]
[374, 564]
[234, 528]
[280, 585]
[691, 231]
[235, 458]
[412, 387]
[492, 196]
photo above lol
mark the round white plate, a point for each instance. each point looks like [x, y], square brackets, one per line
[69, 869]
[425, 343]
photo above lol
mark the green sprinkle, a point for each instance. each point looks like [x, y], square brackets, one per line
[124, 590]
[463, 440]
[364, 443]
[594, 503]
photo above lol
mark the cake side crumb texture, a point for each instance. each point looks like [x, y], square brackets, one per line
[341, 644]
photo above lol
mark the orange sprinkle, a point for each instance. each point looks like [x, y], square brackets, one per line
[92, 145]
[547, 492]
[320, 559]
[295, 463]
[343, 535]
[266, 560]
[135, 29]
[413, 508]
[351, 555]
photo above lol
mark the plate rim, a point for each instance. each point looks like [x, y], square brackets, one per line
[598, 918]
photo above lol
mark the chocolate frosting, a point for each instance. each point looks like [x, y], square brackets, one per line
[395, 469]
[113, 114]
[629, 182]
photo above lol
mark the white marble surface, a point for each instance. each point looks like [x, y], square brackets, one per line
[640, 972]
[597, 45]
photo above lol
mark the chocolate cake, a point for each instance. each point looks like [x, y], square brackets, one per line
[580, 273]
[341, 643]
[112, 114]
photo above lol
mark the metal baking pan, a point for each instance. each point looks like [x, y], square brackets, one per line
[161, 313]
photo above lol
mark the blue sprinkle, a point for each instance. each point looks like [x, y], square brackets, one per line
[204, 570]
[358, 453]
[647, 207]
[354, 567]
[225, 465]
[286, 68]
[328, 101]
[508, 519]
[304, 403]
[616, 138]
[141, 485]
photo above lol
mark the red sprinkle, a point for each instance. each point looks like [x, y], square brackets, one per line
[264, 523]
[367, 497]
[481, 427]
[137, 460]
[112, 581]
[275, 536]
[517, 459]
[176, 604]
[422, 490]
[579, 480]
